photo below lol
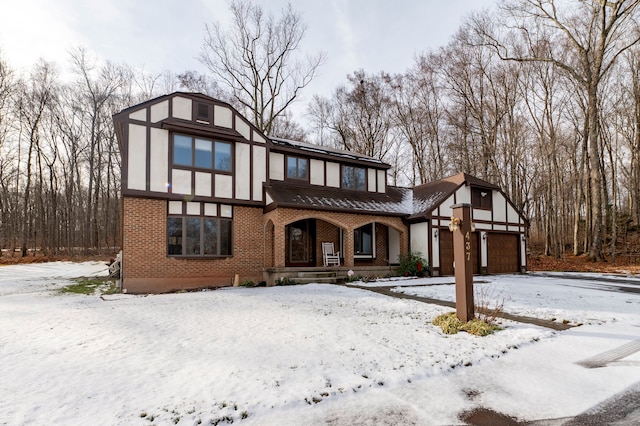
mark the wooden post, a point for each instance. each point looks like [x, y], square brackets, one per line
[463, 264]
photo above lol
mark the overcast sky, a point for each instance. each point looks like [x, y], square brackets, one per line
[160, 35]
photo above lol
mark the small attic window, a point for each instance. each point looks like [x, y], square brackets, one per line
[481, 198]
[202, 113]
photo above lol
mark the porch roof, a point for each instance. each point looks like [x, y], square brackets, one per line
[395, 202]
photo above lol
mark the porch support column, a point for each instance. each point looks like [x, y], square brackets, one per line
[279, 254]
[348, 247]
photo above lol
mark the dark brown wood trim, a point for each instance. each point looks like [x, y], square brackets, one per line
[329, 157]
[180, 197]
[213, 132]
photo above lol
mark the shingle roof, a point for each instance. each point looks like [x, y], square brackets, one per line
[414, 203]
[395, 202]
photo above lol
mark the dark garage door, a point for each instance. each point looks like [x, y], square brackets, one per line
[502, 253]
[446, 252]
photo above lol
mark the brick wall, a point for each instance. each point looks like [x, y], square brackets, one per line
[147, 268]
[258, 242]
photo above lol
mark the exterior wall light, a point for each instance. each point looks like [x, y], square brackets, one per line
[435, 233]
[454, 225]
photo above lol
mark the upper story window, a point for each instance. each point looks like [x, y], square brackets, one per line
[354, 178]
[203, 113]
[202, 153]
[297, 168]
[481, 198]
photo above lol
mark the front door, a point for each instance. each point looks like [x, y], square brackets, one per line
[301, 243]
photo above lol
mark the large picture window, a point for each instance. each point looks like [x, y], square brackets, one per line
[198, 236]
[354, 178]
[297, 168]
[201, 153]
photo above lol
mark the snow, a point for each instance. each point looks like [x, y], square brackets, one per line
[576, 298]
[305, 354]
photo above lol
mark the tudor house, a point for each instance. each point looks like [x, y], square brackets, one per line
[207, 197]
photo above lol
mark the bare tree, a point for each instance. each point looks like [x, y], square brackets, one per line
[285, 127]
[33, 103]
[358, 116]
[95, 88]
[256, 59]
[8, 203]
[419, 112]
[583, 38]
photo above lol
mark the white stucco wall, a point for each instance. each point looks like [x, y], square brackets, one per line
[243, 171]
[182, 108]
[333, 174]
[137, 167]
[420, 238]
[159, 155]
[222, 116]
[259, 171]
[316, 171]
[276, 166]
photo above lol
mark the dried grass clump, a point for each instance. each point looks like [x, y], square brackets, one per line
[450, 324]
[479, 328]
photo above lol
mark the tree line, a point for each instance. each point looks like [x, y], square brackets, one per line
[541, 97]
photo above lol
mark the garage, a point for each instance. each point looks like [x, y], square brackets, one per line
[498, 245]
[502, 253]
[446, 252]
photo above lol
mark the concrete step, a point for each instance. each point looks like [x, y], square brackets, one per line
[323, 280]
[317, 274]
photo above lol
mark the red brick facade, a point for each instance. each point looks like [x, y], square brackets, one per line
[258, 243]
[147, 268]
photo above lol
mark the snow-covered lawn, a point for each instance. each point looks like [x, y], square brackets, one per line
[549, 296]
[296, 355]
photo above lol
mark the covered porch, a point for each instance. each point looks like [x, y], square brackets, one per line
[368, 245]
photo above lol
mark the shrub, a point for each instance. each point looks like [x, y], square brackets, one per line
[247, 283]
[489, 303]
[413, 265]
[285, 281]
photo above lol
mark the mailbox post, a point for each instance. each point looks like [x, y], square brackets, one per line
[463, 262]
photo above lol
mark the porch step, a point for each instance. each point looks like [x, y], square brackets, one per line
[326, 274]
[324, 277]
[324, 280]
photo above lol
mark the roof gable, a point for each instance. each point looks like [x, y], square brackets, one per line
[428, 196]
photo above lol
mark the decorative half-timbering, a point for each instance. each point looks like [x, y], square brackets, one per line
[498, 243]
[208, 198]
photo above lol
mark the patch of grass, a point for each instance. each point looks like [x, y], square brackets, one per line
[91, 286]
[450, 324]
[285, 281]
[480, 328]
